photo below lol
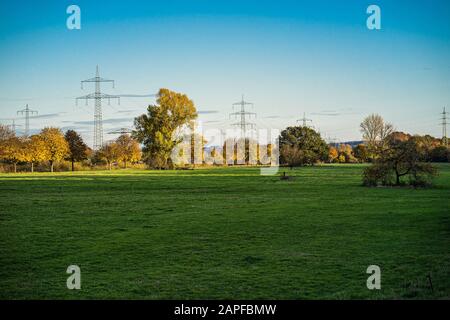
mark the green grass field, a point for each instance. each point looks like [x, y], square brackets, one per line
[222, 233]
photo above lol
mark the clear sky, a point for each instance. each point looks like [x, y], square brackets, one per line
[287, 57]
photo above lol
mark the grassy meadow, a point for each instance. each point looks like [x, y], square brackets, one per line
[222, 233]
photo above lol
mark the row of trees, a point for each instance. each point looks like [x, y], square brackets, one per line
[161, 131]
[433, 150]
[303, 146]
[52, 146]
[49, 145]
[124, 149]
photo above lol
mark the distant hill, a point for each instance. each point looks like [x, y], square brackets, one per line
[352, 143]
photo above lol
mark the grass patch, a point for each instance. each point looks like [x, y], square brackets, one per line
[221, 233]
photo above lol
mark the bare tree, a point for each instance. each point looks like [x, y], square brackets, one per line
[375, 131]
[5, 133]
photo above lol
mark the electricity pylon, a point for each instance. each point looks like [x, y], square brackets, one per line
[13, 125]
[98, 96]
[121, 131]
[304, 120]
[444, 128]
[27, 112]
[243, 124]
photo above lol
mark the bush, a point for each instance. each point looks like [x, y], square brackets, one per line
[401, 162]
[421, 176]
[378, 174]
[440, 154]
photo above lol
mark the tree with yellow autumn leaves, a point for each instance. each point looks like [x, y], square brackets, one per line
[55, 145]
[35, 150]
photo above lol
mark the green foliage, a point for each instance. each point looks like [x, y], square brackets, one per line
[402, 158]
[109, 152]
[302, 146]
[77, 147]
[440, 154]
[157, 130]
[361, 153]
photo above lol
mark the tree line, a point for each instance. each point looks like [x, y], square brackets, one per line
[51, 145]
[161, 129]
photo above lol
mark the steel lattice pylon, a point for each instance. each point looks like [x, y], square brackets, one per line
[27, 112]
[243, 124]
[98, 96]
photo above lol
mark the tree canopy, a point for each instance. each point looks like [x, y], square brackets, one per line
[301, 146]
[56, 146]
[158, 129]
[375, 131]
[77, 147]
[403, 157]
[128, 149]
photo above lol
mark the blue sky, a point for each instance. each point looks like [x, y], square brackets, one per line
[287, 57]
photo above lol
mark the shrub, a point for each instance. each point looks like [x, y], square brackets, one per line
[378, 174]
[421, 176]
[400, 163]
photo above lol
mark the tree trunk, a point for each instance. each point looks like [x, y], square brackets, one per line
[109, 165]
[32, 167]
[73, 168]
[15, 167]
[51, 166]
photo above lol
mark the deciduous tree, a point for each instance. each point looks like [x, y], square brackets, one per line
[77, 147]
[375, 131]
[157, 130]
[360, 152]
[292, 155]
[35, 150]
[13, 151]
[333, 154]
[6, 133]
[56, 145]
[109, 152]
[401, 158]
[128, 149]
[311, 147]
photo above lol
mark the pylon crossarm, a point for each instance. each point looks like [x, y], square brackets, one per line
[95, 79]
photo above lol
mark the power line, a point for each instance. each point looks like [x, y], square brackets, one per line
[304, 120]
[98, 96]
[27, 111]
[13, 125]
[243, 124]
[444, 127]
